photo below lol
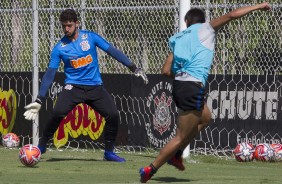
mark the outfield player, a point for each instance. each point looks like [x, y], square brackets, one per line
[83, 83]
[189, 64]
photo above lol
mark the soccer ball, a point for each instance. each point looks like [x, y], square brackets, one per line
[278, 155]
[277, 151]
[244, 152]
[10, 140]
[29, 155]
[264, 152]
[276, 146]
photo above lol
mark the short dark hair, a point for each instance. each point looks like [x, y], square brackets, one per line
[68, 15]
[194, 16]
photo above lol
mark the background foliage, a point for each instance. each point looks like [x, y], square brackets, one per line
[141, 28]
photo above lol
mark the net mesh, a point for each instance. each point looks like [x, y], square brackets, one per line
[141, 28]
[250, 45]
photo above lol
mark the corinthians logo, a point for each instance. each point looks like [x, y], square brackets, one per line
[162, 118]
[162, 128]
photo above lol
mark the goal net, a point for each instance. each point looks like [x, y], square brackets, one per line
[244, 86]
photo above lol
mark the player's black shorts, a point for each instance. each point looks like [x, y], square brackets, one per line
[188, 95]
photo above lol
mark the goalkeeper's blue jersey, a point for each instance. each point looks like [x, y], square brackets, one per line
[80, 58]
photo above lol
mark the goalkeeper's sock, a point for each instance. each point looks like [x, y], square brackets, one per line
[109, 146]
[42, 148]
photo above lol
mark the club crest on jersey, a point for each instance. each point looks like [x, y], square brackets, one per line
[85, 45]
[63, 44]
[84, 36]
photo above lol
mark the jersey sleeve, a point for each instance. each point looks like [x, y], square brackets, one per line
[55, 58]
[171, 43]
[47, 80]
[100, 42]
[207, 36]
[119, 56]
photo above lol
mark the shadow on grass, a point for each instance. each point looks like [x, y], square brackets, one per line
[71, 159]
[147, 156]
[32, 167]
[170, 179]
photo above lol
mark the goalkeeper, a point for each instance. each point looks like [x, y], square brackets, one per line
[83, 83]
[189, 64]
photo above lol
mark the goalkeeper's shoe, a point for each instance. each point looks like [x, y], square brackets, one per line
[42, 149]
[177, 163]
[146, 173]
[111, 156]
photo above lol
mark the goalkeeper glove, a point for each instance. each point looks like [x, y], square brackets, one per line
[32, 109]
[138, 72]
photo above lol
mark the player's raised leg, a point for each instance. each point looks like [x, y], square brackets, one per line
[187, 129]
[177, 160]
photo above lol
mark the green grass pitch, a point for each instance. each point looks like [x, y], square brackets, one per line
[78, 167]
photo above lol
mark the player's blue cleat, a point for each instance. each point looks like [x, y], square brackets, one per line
[42, 149]
[177, 163]
[111, 156]
[145, 174]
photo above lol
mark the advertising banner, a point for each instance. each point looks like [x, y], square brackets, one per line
[244, 109]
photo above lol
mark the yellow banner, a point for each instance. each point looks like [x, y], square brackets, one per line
[8, 110]
[81, 120]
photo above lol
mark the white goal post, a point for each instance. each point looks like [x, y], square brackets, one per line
[184, 6]
[35, 72]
